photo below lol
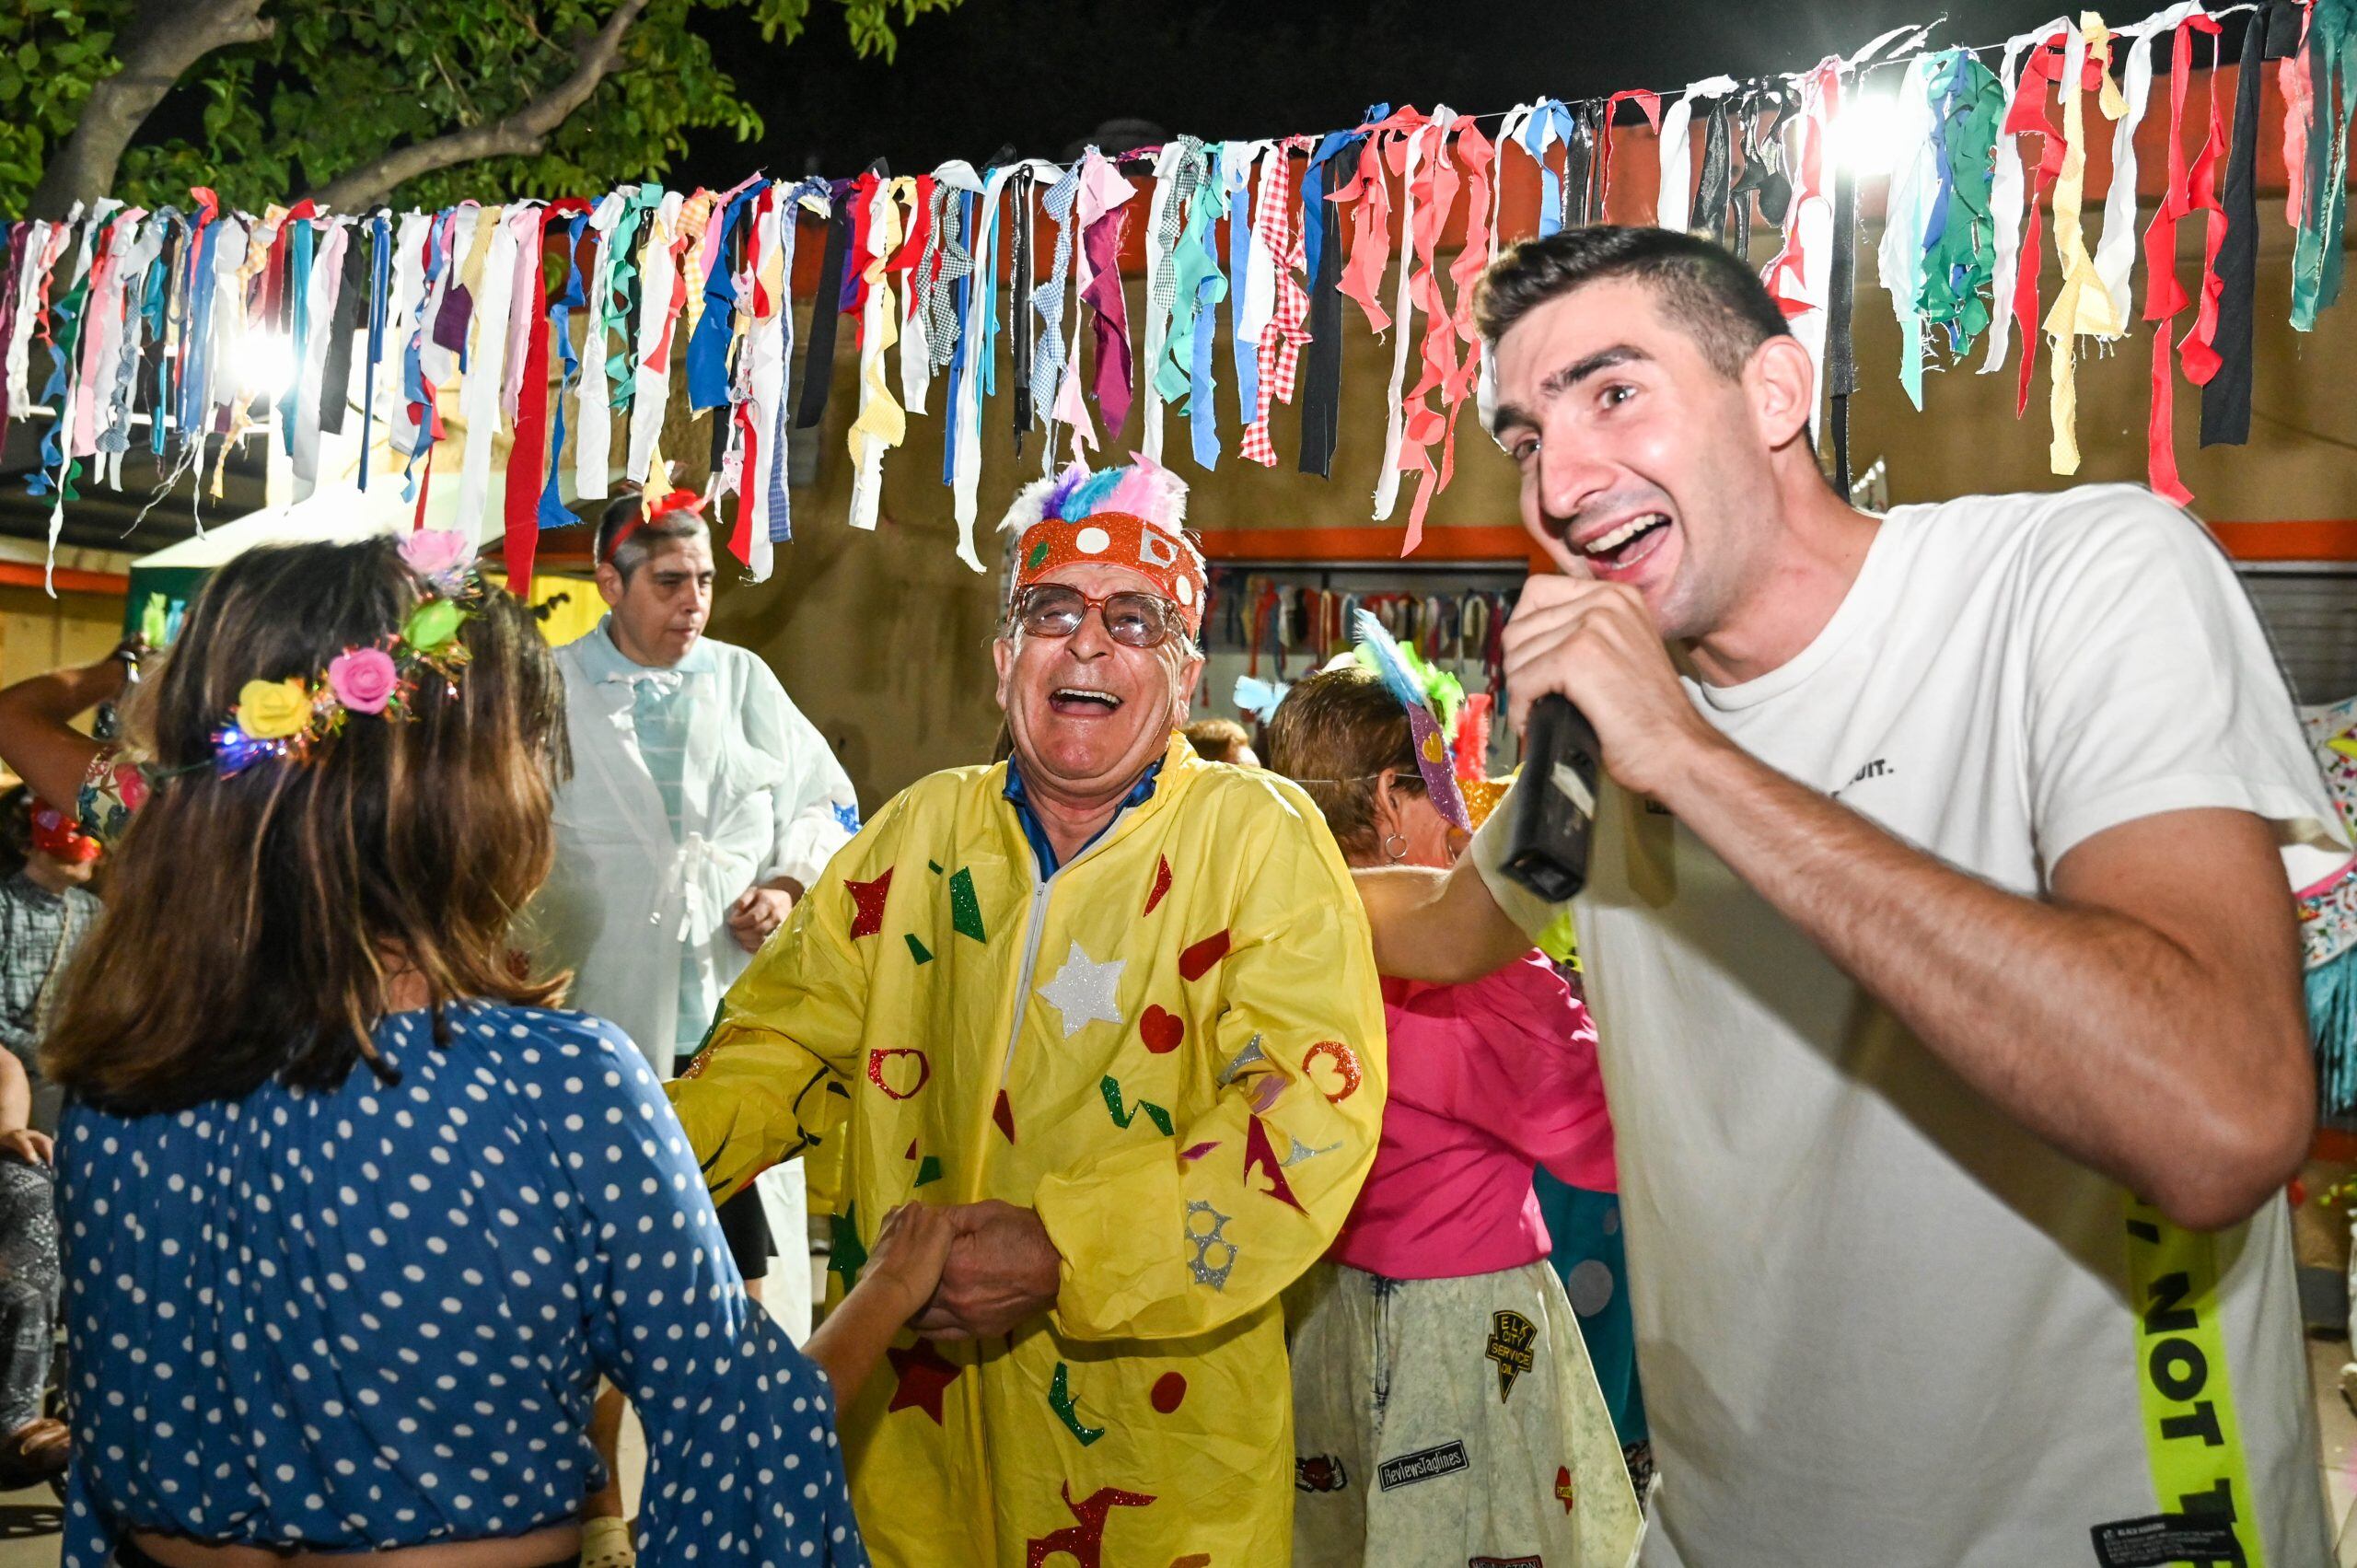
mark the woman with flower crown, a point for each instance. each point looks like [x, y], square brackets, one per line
[353, 1219]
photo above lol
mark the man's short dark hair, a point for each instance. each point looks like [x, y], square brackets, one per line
[1704, 288]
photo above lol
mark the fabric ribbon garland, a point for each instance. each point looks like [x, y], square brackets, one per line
[880, 425]
[2164, 296]
[2082, 308]
[1674, 209]
[1276, 236]
[1799, 278]
[1958, 247]
[2331, 94]
[2225, 400]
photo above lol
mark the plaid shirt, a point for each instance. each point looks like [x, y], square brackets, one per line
[38, 929]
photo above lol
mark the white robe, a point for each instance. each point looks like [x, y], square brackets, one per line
[763, 796]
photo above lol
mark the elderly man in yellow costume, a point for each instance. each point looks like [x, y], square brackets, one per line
[1120, 1001]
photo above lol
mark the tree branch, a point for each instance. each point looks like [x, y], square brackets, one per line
[520, 135]
[165, 40]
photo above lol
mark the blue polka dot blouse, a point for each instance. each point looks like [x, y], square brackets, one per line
[376, 1318]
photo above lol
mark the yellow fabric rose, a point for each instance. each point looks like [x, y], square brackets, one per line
[273, 709]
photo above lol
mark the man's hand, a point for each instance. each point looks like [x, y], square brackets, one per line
[1002, 1270]
[33, 1148]
[1594, 643]
[756, 913]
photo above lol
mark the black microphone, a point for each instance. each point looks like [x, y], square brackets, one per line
[1554, 802]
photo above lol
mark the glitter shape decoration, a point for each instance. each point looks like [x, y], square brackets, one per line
[1169, 1393]
[1511, 1340]
[921, 1375]
[846, 1254]
[1206, 1227]
[1002, 1116]
[1083, 991]
[965, 909]
[1161, 1032]
[1161, 882]
[1060, 1401]
[1082, 1540]
[847, 816]
[1301, 1151]
[884, 1070]
[917, 948]
[1564, 1494]
[1250, 1055]
[1345, 1062]
[1197, 960]
[867, 904]
[928, 1171]
[1111, 1088]
[1259, 1155]
[1197, 1151]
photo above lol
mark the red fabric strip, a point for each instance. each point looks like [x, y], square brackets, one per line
[1644, 99]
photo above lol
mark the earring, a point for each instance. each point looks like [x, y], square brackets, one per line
[1395, 855]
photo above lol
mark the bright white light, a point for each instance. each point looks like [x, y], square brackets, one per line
[1866, 136]
[265, 365]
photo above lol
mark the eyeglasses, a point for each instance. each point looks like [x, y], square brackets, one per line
[1133, 620]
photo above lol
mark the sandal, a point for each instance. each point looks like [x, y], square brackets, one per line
[607, 1542]
[36, 1452]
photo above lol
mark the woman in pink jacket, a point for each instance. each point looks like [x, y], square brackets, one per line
[1445, 1407]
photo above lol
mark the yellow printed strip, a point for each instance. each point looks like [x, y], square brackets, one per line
[2191, 1433]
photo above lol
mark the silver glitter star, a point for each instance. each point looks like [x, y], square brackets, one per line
[1083, 991]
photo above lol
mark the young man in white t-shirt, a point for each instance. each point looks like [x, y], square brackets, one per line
[1940, 940]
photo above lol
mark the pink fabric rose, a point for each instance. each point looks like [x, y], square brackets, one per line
[363, 680]
[440, 555]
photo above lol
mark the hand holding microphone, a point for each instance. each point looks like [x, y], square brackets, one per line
[1614, 698]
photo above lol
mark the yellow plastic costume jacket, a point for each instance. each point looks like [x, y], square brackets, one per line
[1173, 1050]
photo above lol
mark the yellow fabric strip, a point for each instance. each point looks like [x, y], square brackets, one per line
[2085, 308]
[2191, 1432]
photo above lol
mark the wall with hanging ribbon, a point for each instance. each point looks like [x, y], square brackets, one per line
[992, 303]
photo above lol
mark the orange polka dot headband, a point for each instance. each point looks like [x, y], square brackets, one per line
[1132, 517]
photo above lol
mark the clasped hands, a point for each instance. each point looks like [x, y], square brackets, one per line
[1000, 1269]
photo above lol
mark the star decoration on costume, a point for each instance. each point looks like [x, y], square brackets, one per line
[965, 908]
[1083, 991]
[924, 1375]
[867, 904]
[846, 1254]
[1060, 1401]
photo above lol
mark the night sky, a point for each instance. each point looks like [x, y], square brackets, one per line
[1041, 76]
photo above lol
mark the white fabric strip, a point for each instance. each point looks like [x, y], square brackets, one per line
[1676, 210]
[486, 367]
[326, 282]
[658, 270]
[1403, 317]
[1156, 324]
[592, 438]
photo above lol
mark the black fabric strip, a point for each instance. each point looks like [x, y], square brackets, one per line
[818, 360]
[351, 315]
[1711, 200]
[1842, 289]
[2225, 402]
[1019, 323]
[1321, 402]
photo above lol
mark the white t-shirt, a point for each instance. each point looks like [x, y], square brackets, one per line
[1880, 1324]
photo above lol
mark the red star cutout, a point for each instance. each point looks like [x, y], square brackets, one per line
[868, 899]
[924, 1375]
[1260, 1157]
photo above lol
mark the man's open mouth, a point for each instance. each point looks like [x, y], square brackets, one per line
[1081, 701]
[1629, 544]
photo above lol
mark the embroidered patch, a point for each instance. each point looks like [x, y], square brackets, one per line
[1426, 1464]
[1083, 1539]
[888, 1072]
[1346, 1062]
[1564, 1492]
[1209, 1236]
[867, 904]
[917, 948]
[1060, 1401]
[846, 1254]
[1161, 1031]
[1169, 1393]
[1111, 1088]
[965, 909]
[1259, 1155]
[1318, 1472]
[1161, 883]
[1511, 1338]
[921, 1375]
[1197, 960]
[1083, 991]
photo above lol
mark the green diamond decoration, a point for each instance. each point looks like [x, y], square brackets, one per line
[965, 909]
[928, 1170]
[846, 1256]
[916, 949]
[934, 866]
[1038, 553]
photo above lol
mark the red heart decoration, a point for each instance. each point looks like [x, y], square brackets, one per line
[1161, 1031]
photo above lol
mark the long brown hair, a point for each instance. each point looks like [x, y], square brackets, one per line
[1334, 735]
[255, 920]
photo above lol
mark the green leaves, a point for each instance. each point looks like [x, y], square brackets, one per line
[340, 83]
